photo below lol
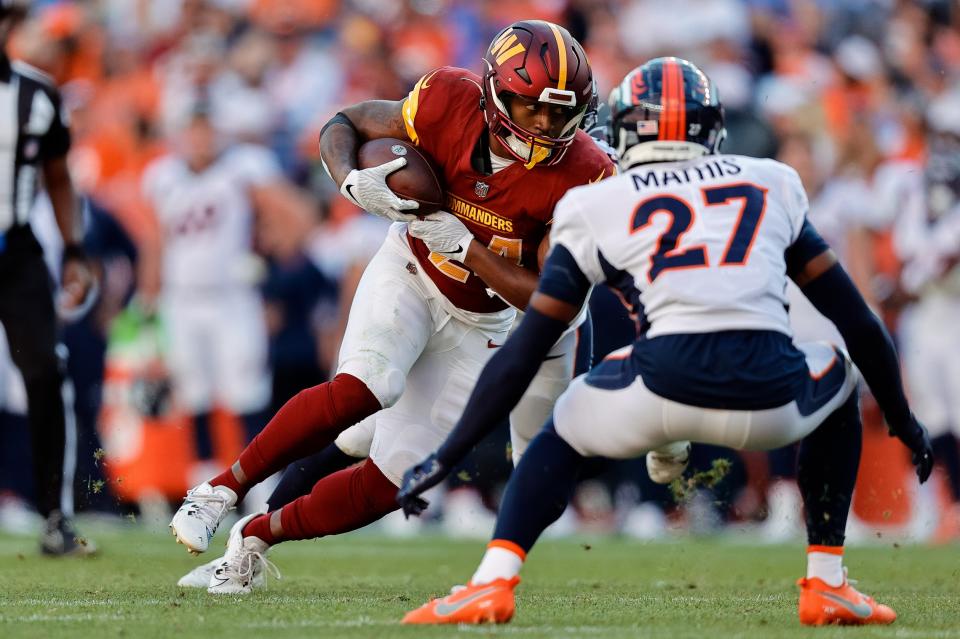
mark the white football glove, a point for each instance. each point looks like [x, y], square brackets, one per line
[443, 233]
[668, 462]
[367, 188]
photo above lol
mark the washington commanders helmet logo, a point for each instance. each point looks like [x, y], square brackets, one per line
[481, 189]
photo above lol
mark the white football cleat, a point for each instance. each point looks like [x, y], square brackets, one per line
[199, 577]
[203, 509]
[245, 565]
[668, 462]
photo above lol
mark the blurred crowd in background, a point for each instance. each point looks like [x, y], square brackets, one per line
[852, 93]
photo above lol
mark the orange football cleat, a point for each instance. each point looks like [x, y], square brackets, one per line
[821, 604]
[485, 603]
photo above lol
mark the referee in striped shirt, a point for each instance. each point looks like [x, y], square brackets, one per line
[34, 140]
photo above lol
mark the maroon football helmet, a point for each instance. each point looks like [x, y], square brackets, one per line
[542, 62]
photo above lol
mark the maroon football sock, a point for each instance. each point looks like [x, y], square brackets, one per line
[304, 425]
[260, 527]
[341, 502]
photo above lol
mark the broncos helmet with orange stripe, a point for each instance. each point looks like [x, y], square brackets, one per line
[665, 110]
[592, 114]
[542, 62]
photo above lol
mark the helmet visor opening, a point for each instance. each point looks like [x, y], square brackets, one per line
[542, 119]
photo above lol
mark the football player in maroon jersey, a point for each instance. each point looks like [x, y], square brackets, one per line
[439, 296]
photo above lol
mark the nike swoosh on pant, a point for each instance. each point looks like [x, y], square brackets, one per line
[445, 609]
[861, 610]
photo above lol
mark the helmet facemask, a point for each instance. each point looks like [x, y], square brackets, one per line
[525, 145]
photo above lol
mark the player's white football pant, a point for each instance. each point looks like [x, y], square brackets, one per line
[437, 388]
[196, 521]
[417, 353]
[200, 576]
[398, 314]
[929, 351]
[668, 462]
[636, 420]
[245, 564]
[536, 405]
[218, 350]
[526, 419]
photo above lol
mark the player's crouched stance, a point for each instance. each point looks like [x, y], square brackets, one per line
[705, 243]
[422, 323]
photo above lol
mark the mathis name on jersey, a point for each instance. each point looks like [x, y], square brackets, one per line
[708, 169]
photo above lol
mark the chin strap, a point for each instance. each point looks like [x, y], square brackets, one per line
[539, 155]
[657, 151]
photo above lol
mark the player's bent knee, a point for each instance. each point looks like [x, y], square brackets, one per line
[385, 381]
[356, 440]
[846, 417]
[348, 390]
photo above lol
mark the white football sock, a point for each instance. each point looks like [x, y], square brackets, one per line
[825, 566]
[497, 563]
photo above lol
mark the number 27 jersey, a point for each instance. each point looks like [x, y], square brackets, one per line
[700, 244]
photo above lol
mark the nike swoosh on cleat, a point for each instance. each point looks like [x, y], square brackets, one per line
[445, 609]
[490, 344]
[861, 610]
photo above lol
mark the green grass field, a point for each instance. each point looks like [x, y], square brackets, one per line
[359, 586]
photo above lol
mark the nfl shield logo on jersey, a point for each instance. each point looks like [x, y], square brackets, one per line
[481, 189]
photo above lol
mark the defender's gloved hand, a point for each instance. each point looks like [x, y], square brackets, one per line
[367, 188]
[416, 481]
[443, 233]
[917, 439]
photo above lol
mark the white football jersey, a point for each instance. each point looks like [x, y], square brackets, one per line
[207, 218]
[701, 240]
[924, 241]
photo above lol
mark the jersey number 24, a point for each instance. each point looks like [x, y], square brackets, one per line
[668, 255]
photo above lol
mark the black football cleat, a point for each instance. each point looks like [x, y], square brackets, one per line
[59, 539]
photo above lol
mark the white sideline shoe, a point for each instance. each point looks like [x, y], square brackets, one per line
[784, 520]
[465, 516]
[203, 509]
[245, 565]
[668, 462]
[645, 521]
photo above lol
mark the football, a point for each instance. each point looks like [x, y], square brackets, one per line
[416, 181]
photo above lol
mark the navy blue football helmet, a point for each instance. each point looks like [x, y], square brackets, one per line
[590, 118]
[665, 110]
